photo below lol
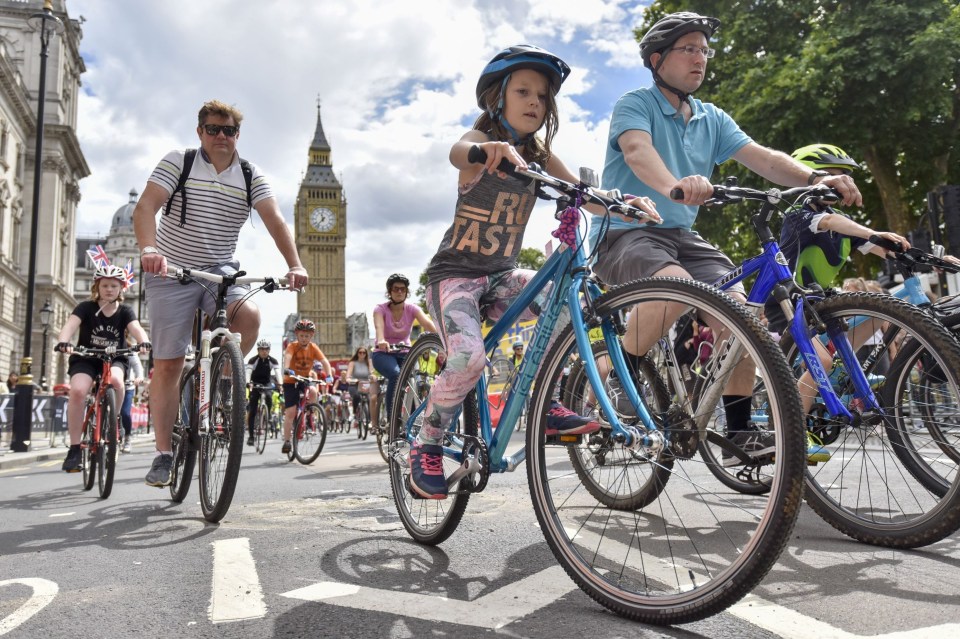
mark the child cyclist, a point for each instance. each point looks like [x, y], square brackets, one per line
[299, 357]
[103, 321]
[476, 263]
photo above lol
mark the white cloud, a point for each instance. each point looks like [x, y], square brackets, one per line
[396, 81]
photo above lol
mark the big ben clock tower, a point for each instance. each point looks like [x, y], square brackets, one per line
[320, 219]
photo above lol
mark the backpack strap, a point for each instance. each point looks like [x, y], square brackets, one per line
[188, 156]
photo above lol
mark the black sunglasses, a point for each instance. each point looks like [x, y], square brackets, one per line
[214, 130]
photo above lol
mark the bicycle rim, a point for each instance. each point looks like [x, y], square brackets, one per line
[107, 450]
[868, 489]
[222, 445]
[260, 429]
[310, 434]
[694, 549]
[429, 521]
[184, 454]
[88, 456]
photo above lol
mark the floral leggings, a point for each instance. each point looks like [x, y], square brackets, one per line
[455, 304]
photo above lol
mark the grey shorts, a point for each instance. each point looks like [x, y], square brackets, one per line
[172, 306]
[629, 254]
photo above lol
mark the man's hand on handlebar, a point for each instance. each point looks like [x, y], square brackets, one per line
[846, 187]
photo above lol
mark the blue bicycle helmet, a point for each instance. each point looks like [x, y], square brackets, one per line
[521, 56]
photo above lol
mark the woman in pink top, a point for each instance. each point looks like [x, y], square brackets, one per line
[393, 321]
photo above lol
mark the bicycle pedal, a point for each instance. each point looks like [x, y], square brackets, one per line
[563, 440]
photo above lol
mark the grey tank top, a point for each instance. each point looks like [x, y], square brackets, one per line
[487, 230]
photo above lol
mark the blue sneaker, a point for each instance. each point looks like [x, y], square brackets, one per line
[816, 452]
[426, 471]
[563, 421]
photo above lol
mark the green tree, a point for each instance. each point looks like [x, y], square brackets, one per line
[880, 78]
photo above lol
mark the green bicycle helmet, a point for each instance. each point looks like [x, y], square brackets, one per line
[825, 156]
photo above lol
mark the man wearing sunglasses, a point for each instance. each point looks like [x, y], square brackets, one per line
[199, 229]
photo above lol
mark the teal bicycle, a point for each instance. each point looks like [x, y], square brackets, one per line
[638, 523]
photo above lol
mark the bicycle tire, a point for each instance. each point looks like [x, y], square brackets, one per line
[639, 564]
[429, 521]
[383, 439]
[311, 434]
[363, 425]
[221, 447]
[604, 468]
[88, 449]
[108, 448]
[260, 427]
[867, 490]
[184, 436]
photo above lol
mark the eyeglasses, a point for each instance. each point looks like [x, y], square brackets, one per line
[213, 130]
[689, 49]
[361, 352]
[398, 289]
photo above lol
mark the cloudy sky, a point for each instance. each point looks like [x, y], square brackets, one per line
[396, 81]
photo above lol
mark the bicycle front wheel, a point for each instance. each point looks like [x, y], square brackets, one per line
[184, 450]
[107, 449]
[429, 521]
[886, 481]
[222, 445]
[88, 455]
[310, 434]
[260, 428]
[692, 548]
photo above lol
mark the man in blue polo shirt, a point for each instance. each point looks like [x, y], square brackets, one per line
[661, 138]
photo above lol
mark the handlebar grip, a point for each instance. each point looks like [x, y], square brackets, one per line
[676, 194]
[884, 243]
[476, 155]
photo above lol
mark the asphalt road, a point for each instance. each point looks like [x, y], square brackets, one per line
[319, 551]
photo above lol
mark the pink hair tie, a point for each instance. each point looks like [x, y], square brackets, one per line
[567, 231]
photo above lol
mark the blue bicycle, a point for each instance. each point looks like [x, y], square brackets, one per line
[880, 476]
[635, 520]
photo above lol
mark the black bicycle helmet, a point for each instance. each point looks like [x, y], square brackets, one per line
[669, 28]
[825, 156]
[521, 56]
[397, 277]
[305, 325]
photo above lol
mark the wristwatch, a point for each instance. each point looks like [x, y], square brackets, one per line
[815, 174]
[148, 250]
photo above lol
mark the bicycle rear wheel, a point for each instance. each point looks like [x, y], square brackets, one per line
[88, 455]
[363, 425]
[107, 450]
[185, 424]
[887, 481]
[260, 428]
[429, 521]
[616, 477]
[382, 432]
[221, 447]
[310, 434]
[694, 549]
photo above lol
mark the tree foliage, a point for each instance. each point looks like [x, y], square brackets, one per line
[879, 78]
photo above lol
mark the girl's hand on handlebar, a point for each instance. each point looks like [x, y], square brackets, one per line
[498, 151]
[646, 205]
[847, 189]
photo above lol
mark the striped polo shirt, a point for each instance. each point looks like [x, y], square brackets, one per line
[216, 210]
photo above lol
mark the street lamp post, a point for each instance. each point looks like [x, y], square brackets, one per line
[45, 314]
[48, 25]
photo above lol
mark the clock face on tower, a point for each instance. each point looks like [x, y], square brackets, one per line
[323, 219]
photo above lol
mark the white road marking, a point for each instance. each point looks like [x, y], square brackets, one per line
[43, 593]
[62, 514]
[236, 590]
[494, 610]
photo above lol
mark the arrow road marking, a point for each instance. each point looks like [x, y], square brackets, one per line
[43, 593]
[494, 610]
[237, 593]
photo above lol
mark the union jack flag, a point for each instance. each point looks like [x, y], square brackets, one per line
[128, 269]
[98, 255]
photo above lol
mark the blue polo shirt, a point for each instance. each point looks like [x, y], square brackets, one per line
[692, 148]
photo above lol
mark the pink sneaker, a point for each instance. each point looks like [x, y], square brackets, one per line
[563, 421]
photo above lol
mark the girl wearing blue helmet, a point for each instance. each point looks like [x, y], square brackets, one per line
[476, 262]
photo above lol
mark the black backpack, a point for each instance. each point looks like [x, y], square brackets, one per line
[188, 156]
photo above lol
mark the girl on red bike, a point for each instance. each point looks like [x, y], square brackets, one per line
[104, 322]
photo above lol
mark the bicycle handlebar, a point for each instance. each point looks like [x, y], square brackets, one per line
[111, 351]
[611, 200]
[269, 283]
[913, 256]
[724, 194]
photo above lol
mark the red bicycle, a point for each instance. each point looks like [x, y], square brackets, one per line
[309, 425]
[101, 422]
